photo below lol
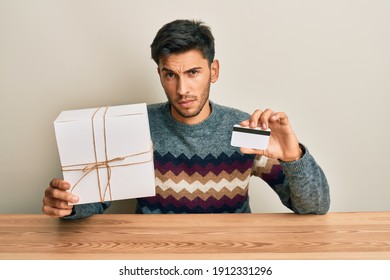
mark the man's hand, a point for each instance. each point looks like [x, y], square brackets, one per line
[56, 200]
[283, 143]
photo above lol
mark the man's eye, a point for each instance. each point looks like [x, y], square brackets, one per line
[194, 72]
[170, 75]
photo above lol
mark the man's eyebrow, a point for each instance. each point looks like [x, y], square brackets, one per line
[166, 69]
[192, 69]
[189, 70]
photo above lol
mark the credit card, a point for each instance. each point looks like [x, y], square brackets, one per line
[246, 137]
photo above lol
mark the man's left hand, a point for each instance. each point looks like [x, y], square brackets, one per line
[283, 143]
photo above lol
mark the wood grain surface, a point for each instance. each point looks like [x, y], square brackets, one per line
[359, 235]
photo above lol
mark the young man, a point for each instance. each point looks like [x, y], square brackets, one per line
[197, 170]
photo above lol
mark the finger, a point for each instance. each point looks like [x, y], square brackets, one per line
[264, 118]
[58, 189]
[254, 119]
[253, 151]
[245, 123]
[59, 184]
[55, 207]
[56, 203]
[54, 212]
[246, 150]
[279, 117]
[55, 193]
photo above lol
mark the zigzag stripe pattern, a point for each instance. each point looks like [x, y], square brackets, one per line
[202, 166]
[208, 186]
[212, 184]
[197, 205]
[155, 209]
[220, 159]
[272, 172]
[275, 177]
[196, 177]
[231, 194]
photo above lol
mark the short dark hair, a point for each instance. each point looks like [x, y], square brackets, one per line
[183, 35]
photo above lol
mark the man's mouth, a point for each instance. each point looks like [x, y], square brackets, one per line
[186, 103]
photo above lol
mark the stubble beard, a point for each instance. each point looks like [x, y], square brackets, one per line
[189, 114]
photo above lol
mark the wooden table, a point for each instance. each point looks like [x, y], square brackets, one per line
[364, 235]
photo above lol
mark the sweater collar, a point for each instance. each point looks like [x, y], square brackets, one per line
[191, 127]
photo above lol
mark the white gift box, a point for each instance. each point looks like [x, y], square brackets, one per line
[106, 153]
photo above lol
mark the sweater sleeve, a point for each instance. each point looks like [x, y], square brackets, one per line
[301, 185]
[86, 210]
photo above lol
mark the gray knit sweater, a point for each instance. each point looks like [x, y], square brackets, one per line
[198, 171]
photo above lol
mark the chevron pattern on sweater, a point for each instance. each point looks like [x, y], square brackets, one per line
[196, 177]
[202, 166]
[200, 185]
[197, 205]
[217, 194]
[210, 185]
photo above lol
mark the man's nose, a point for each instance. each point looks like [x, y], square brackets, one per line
[182, 87]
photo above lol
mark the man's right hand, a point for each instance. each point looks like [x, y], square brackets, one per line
[56, 200]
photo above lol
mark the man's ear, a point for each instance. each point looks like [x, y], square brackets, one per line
[214, 69]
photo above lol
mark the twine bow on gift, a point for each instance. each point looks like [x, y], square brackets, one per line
[103, 164]
[87, 168]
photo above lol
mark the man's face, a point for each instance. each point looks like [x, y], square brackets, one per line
[186, 79]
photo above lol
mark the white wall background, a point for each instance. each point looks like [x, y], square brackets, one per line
[325, 63]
